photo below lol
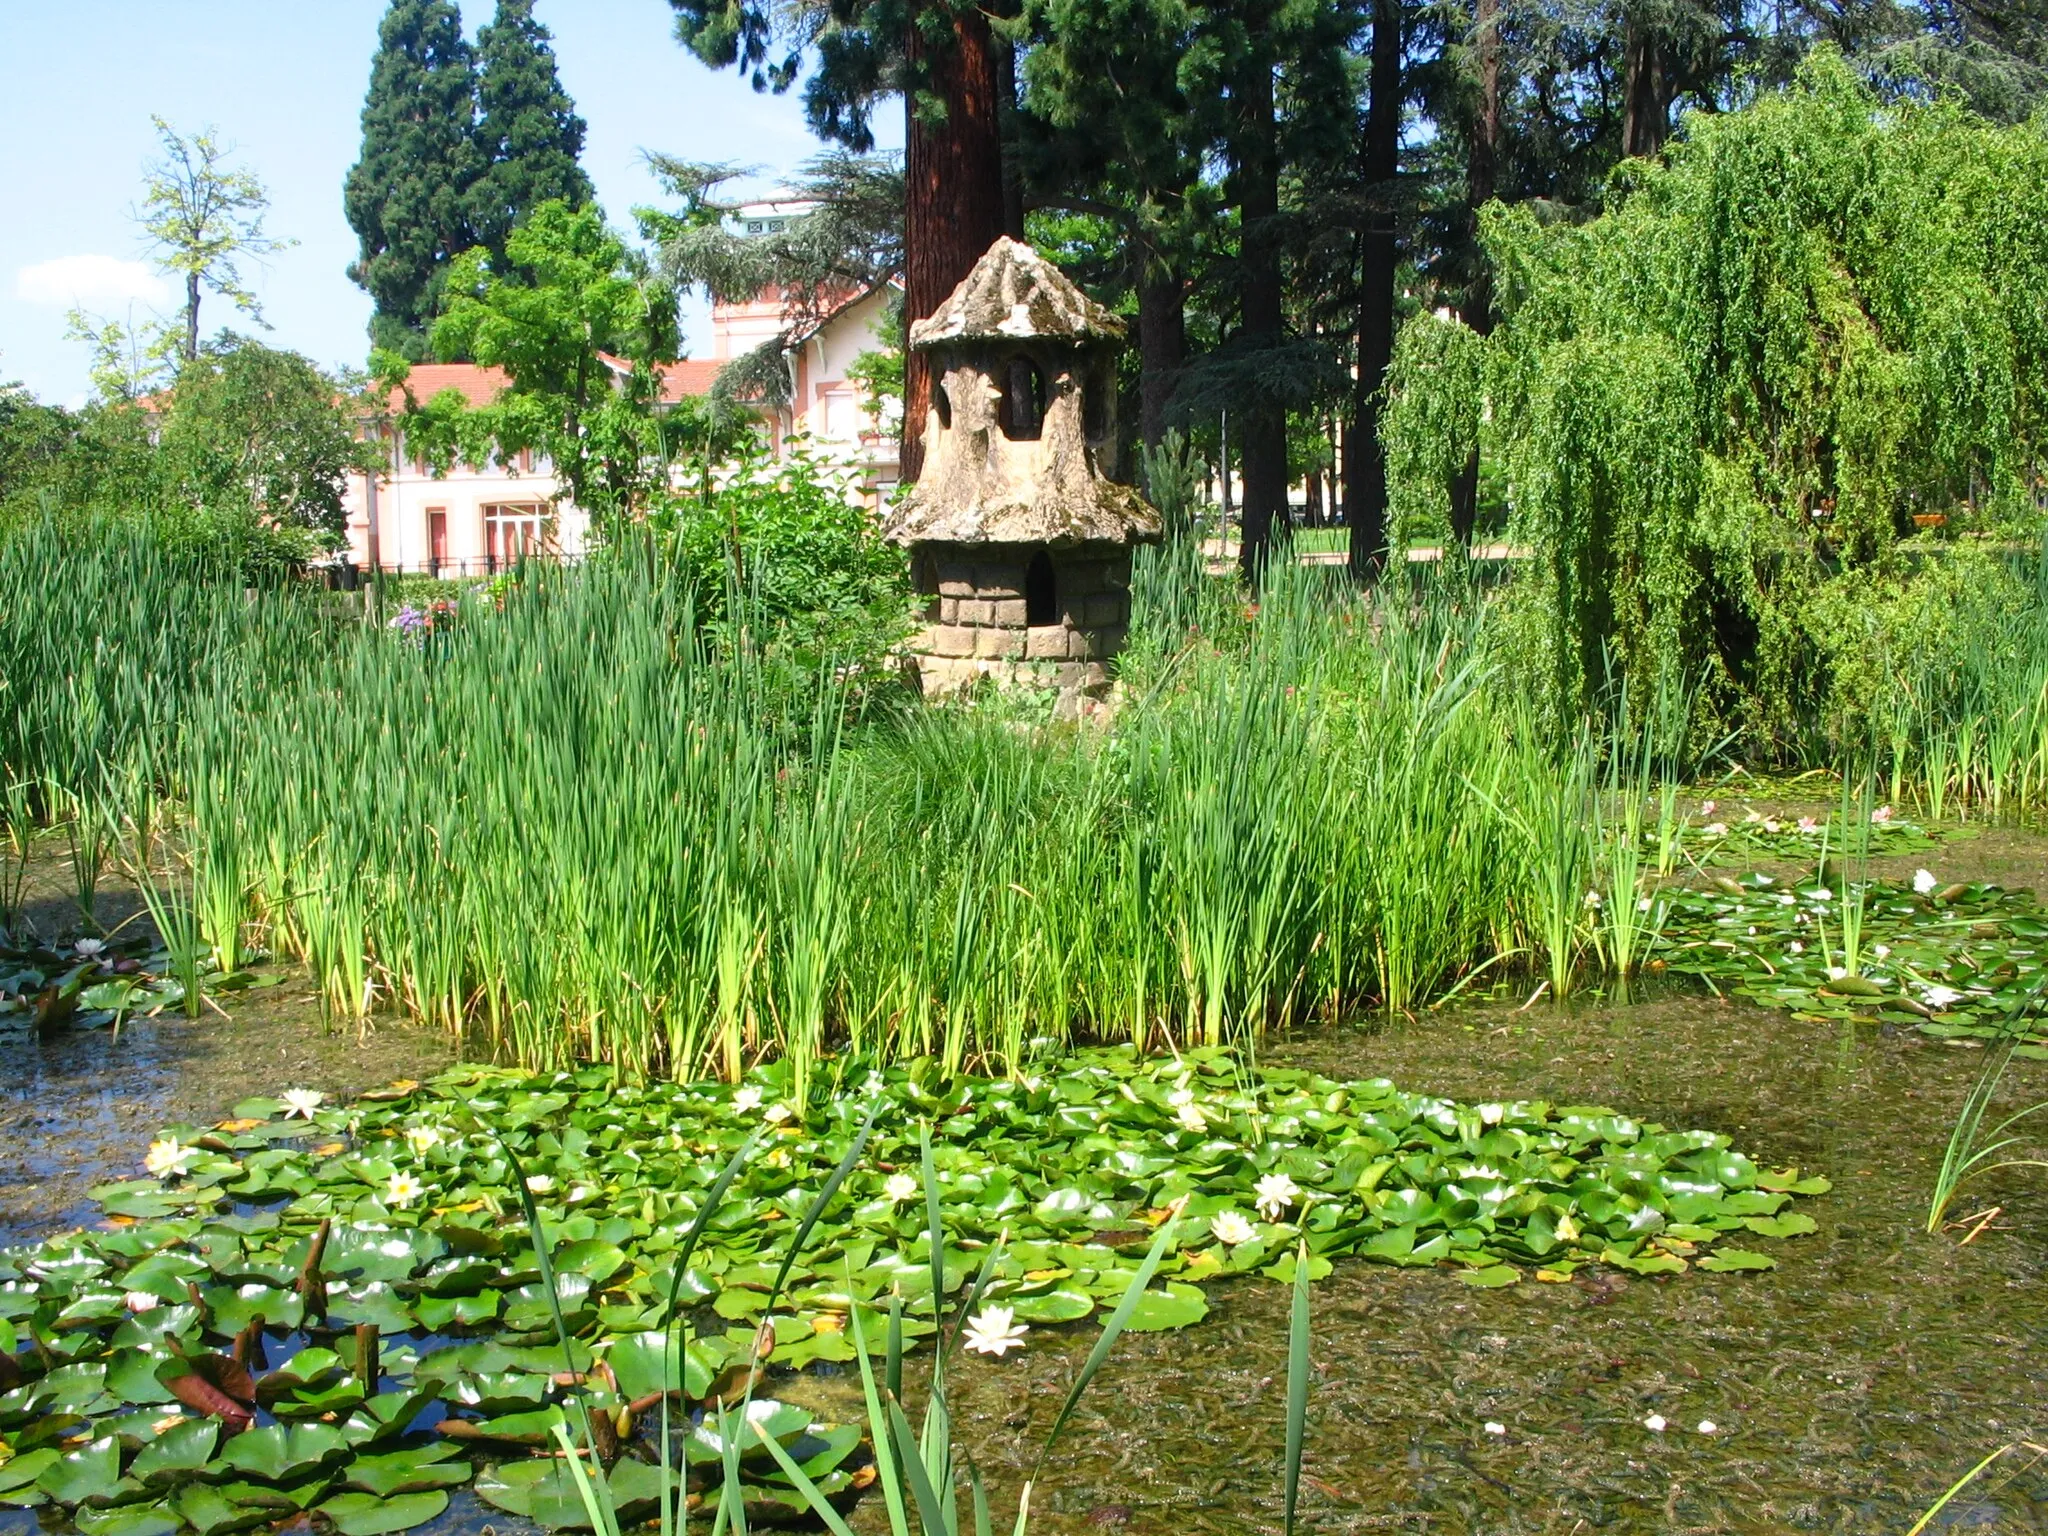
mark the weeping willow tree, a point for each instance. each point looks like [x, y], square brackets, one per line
[1807, 345]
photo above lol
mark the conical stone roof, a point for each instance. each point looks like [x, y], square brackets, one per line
[1015, 294]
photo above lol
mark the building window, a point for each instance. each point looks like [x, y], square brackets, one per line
[512, 532]
[1041, 591]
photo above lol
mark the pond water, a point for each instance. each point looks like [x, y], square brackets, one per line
[1849, 1387]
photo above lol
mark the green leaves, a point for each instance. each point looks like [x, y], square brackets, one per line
[646, 1193]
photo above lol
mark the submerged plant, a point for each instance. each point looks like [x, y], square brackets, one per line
[1972, 1151]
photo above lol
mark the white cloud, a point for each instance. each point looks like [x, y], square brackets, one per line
[94, 282]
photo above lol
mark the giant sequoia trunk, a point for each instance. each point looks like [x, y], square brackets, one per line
[1262, 445]
[953, 174]
[1482, 175]
[1365, 465]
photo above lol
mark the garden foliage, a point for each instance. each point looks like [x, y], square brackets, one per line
[1810, 327]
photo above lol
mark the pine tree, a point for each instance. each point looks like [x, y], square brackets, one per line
[528, 134]
[407, 197]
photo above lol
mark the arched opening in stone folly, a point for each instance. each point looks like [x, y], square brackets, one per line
[1023, 413]
[1041, 591]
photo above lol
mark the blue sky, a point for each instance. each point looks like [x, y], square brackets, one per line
[283, 80]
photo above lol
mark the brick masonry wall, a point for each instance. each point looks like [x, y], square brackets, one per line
[980, 610]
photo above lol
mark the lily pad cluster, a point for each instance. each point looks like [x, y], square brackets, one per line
[339, 1307]
[1720, 833]
[1952, 961]
[94, 983]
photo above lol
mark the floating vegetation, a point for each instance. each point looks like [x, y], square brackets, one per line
[338, 1307]
[1952, 961]
[1729, 834]
[94, 983]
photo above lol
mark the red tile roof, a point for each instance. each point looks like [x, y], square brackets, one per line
[480, 386]
[692, 376]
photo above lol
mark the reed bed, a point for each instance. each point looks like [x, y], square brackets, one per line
[574, 829]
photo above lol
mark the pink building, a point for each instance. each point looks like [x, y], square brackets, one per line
[478, 518]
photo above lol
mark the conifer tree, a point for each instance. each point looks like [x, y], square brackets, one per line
[407, 197]
[528, 135]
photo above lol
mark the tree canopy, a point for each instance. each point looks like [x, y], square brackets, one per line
[1810, 328]
[528, 136]
[407, 197]
[581, 327]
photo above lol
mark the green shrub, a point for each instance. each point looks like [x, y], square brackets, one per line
[784, 564]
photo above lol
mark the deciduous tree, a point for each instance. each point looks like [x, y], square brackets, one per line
[204, 219]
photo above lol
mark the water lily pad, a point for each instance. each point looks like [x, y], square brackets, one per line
[416, 1470]
[1174, 1306]
[365, 1514]
[1728, 1260]
[1062, 1304]
[1492, 1277]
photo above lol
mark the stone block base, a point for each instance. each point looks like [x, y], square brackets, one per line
[945, 676]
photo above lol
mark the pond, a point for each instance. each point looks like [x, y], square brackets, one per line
[1847, 1388]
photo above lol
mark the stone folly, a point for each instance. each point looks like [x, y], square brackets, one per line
[1019, 540]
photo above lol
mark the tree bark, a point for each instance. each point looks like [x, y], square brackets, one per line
[1646, 98]
[1482, 175]
[1263, 436]
[191, 316]
[1162, 348]
[1365, 466]
[953, 174]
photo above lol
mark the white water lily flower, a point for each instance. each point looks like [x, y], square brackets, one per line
[167, 1158]
[1492, 1114]
[1655, 1423]
[1924, 881]
[899, 1187]
[1190, 1118]
[777, 1113]
[1707, 807]
[539, 1183]
[1808, 824]
[403, 1189]
[89, 949]
[1837, 972]
[1796, 948]
[1643, 905]
[1273, 1194]
[1764, 880]
[1708, 1426]
[1823, 894]
[141, 1301]
[994, 1331]
[747, 1099]
[1716, 829]
[1495, 1427]
[1786, 899]
[1230, 1228]
[1180, 1096]
[301, 1102]
[1881, 950]
[422, 1138]
[1593, 900]
[1936, 996]
[1567, 1230]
